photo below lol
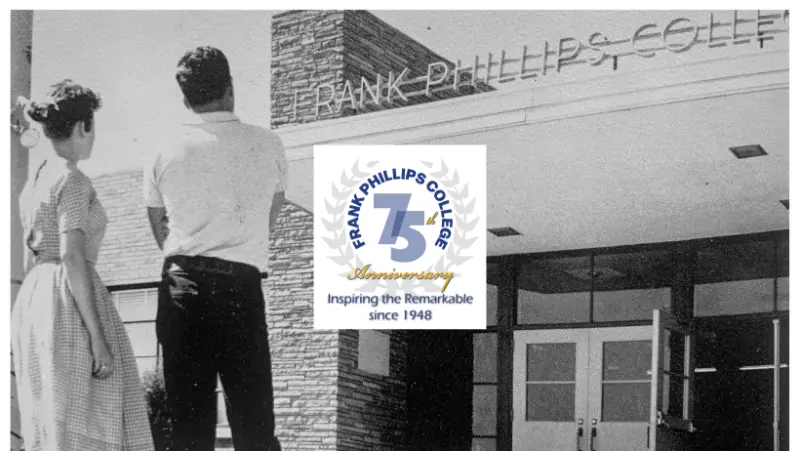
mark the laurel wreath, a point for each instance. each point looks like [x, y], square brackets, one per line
[462, 239]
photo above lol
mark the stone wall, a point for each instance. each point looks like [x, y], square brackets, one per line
[307, 51]
[372, 408]
[311, 49]
[371, 46]
[304, 360]
[323, 400]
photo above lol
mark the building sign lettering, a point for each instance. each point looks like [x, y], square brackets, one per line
[679, 35]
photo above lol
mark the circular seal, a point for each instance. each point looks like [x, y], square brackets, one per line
[417, 217]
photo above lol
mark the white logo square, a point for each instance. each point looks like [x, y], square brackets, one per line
[400, 237]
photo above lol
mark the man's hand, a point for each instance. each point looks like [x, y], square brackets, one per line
[159, 224]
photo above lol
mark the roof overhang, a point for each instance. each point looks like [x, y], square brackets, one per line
[633, 158]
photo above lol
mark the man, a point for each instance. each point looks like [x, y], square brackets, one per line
[213, 193]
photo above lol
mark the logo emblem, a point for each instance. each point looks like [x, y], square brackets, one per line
[392, 229]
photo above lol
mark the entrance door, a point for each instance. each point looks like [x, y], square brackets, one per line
[619, 388]
[672, 384]
[550, 372]
[604, 389]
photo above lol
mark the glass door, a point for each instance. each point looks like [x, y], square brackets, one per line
[672, 383]
[604, 389]
[550, 370]
[619, 388]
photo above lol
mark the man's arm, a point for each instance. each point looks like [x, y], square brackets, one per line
[277, 203]
[156, 211]
[281, 186]
[159, 224]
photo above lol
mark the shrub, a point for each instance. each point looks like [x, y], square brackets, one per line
[156, 396]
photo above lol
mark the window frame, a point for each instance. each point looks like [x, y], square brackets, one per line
[685, 253]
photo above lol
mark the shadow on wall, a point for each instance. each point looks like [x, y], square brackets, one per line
[439, 390]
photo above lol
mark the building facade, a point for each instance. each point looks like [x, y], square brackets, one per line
[638, 248]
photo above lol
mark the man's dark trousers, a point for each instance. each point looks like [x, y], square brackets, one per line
[211, 321]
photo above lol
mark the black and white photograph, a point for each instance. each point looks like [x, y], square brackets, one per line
[165, 224]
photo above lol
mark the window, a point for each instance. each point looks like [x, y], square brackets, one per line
[484, 410]
[629, 286]
[374, 348]
[136, 305]
[484, 391]
[550, 382]
[138, 308]
[555, 290]
[730, 278]
[737, 278]
[494, 279]
[595, 288]
[782, 282]
[626, 381]
[491, 305]
[144, 343]
[484, 371]
[484, 358]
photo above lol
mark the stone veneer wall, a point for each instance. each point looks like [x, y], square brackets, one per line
[307, 51]
[323, 401]
[371, 46]
[312, 48]
[372, 409]
[304, 360]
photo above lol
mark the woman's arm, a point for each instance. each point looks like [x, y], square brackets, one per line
[72, 208]
[73, 257]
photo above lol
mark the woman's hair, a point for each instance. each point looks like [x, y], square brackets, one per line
[69, 104]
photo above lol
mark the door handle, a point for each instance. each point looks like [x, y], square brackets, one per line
[648, 436]
[591, 438]
[579, 437]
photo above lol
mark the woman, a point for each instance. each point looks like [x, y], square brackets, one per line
[77, 380]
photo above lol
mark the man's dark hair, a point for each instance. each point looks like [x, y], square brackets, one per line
[203, 75]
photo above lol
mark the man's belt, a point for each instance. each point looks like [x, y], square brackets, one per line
[210, 265]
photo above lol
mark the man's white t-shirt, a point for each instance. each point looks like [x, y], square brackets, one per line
[216, 178]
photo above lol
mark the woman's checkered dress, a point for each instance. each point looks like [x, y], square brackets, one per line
[62, 406]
